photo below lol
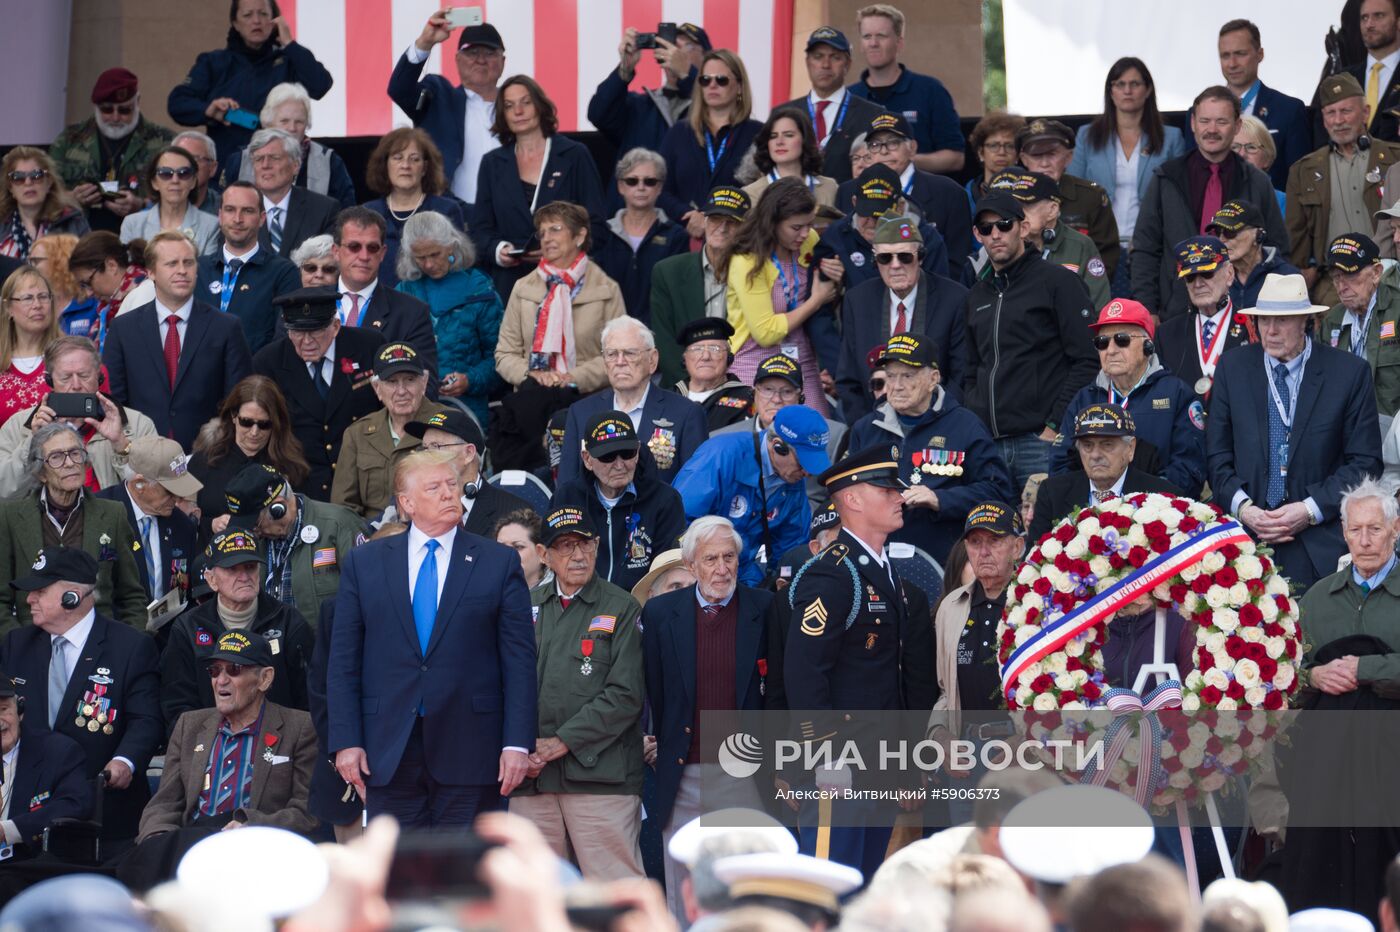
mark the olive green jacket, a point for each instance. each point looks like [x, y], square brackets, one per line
[1335, 607]
[596, 714]
[1077, 252]
[106, 535]
[364, 474]
[79, 161]
[316, 564]
[1382, 341]
[1085, 207]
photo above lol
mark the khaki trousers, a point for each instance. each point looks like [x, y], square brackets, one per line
[598, 833]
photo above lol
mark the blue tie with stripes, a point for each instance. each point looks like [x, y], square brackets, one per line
[1278, 438]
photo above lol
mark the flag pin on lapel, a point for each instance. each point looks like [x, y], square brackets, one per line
[469, 558]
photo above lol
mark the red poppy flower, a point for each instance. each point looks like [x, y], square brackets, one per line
[347, 366]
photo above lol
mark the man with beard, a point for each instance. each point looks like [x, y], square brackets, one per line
[103, 159]
[1378, 74]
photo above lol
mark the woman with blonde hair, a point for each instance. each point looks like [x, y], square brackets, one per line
[28, 324]
[50, 255]
[33, 202]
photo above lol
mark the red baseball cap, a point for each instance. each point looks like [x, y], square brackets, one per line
[1125, 311]
[114, 86]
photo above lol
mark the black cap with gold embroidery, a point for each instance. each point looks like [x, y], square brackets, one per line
[727, 201]
[610, 432]
[564, 521]
[695, 34]
[254, 488]
[779, 366]
[705, 328]
[887, 122]
[1234, 216]
[1199, 255]
[1026, 187]
[308, 308]
[1352, 252]
[877, 190]
[453, 421]
[394, 358]
[826, 518]
[912, 349]
[997, 517]
[232, 548]
[1104, 420]
[244, 648]
[877, 465]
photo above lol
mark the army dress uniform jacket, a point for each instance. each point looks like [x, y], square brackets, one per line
[364, 473]
[320, 423]
[1072, 249]
[591, 690]
[1382, 341]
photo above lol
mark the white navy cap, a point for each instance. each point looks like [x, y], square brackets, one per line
[1073, 831]
[689, 841]
[798, 877]
[1328, 920]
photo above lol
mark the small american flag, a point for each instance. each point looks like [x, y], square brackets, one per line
[323, 557]
[1388, 330]
[602, 624]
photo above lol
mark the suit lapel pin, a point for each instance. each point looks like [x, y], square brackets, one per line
[468, 558]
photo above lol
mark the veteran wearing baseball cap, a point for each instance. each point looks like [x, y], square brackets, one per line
[153, 498]
[1240, 225]
[875, 194]
[1047, 147]
[1191, 344]
[1367, 312]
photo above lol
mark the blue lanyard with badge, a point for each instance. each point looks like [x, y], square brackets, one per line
[792, 293]
[1285, 412]
[840, 114]
[226, 292]
[811, 180]
[1249, 96]
[711, 154]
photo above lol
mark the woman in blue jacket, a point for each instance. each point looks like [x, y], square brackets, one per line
[435, 266]
[1121, 148]
[260, 55]
[534, 166]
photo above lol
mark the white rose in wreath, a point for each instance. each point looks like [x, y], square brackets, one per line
[1284, 677]
[1213, 562]
[1078, 548]
[1213, 782]
[1217, 597]
[1216, 677]
[1025, 633]
[1045, 702]
[1226, 619]
[1090, 527]
[1230, 755]
[1051, 549]
[1239, 594]
[1028, 574]
[1192, 757]
[1074, 647]
[1269, 609]
[1190, 703]
[1056, 665]
[1248, 566]
[1275, 647]
[1215, 643]
[1247, 673]
[1255, 696]
[1064, 682]
[1227, 705]
[1179, 780]
[1252, 635]
[1277, 585]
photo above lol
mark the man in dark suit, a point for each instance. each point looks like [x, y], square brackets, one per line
[1292, 424]
[432, 693]
[1380, 33]
[686, 288]
[483, 504]
[1190, 345]
[938, 199]
[324, 370]
[877, 194]
[906, 299]
[165, 535]
[90, 678]
[243, 276]
[1104, 436]
[710, 647]
[837, 116]
[458, 118]
[1241, 51]
[293, 214]
[175, 360]
[44, 778]
[671, 427]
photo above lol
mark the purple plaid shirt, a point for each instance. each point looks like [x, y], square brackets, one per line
[228, 780]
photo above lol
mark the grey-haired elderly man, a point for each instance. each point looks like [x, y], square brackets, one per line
[293, 214]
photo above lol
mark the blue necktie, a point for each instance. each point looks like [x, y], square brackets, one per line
[1278, 438]
[274, 228]
[1207, 331]
[425, 597]
[151, 574]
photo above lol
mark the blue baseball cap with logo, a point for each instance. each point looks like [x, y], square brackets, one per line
[805, 431]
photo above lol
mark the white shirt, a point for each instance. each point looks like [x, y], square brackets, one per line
[829, 115]
[281, 205]
[12, 835]
[1387, 71]
[327, 364]
[635, 414]
[151, 541]
[182, 312]
[342, 307]
[1116, 488]
[908, 302]
[247, 256]
[1125, 190]
[476, 135]
[906, 178]
[418, 549]
[76, 637]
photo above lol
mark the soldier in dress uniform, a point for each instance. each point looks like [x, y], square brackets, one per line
[708, 382]
[324, 370]
[843, 654]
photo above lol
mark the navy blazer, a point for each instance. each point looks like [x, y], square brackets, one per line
[938, 313]
[443, 115]
[682, 421]
[1335, 442]
[178, 544]
[502, 209]
[135, 360]
[689, 177]
[308, 214]
[836, 154]
[261, 278]
[476, 682]
[668, 653]
[943, 203]
[127, 660]
[398, 318]
[49, 784]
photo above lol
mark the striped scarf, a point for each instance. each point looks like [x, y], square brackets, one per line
[553, 343]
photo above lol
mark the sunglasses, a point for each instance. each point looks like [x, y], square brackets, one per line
[183, 172]
[218, 669]
[35, 174]
[1120, 340]
[371, 248]
[311, 268]
[903, 258]
[616, 455]
[123, 109]
[1005, 225]
[248, 423]
[877, 385]
[632, 181]
[721, 80]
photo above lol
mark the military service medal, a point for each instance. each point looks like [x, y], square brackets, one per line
[587, 667]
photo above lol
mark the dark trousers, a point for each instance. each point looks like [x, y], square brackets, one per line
[154, 860]
[860, 846]
[418, 801]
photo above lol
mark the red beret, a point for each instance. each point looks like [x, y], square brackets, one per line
[114, 86]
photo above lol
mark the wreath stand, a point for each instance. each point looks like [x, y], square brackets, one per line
[1163, 669]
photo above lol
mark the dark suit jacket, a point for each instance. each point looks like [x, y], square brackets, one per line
[320, 423]
[7, 266]
[677, 298]
[942, 202]
[127, 659]
[178, 548]
[444, 110]
[49, 784]
[330, 798]
[398, 318]
[1334, 443]
[281, 772]
[1177, 348]
[214, 358]
[1385, 124]
[1059, 495]
[938, 313]
[308, 214]
[836, 161]
[476, 681]
[668, 651]
[260, 279]
[492, 503]
[663, 410]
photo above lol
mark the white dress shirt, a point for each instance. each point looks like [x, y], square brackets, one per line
[12, 835]
[908, 302]
[477, 139]
[149, 541]
[342, 307]
[247, 256]
[418, 549]
[829, 115]
[327, 364]
[182, 312]
[1387, 72]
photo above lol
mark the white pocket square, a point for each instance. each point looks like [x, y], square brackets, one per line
[279, 759]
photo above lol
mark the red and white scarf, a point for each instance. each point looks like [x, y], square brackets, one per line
[554, 324]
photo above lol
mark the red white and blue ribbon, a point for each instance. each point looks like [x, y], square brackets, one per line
[1126, 706]
[1056, 633]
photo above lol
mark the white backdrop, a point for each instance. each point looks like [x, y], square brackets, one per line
[1059, 51]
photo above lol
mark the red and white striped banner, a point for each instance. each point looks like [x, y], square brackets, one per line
[567, 45]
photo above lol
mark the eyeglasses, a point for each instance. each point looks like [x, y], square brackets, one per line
[311, 268]
[884, 146]
[999, 146]
[785, 392]
[1228, 234]
[632, 181]
[86, 283]
[877, 385]
[183, 172]
[444, 446]
[720, 80]
[1246, 148]
[369, 248]
[57, 458]
[218, 669]
[24, 300]
[122, 109]
[34, 174]
[903, 258]
[1005, 225]
[248, 423]
[616, 455]
[1128, 85]
[575, 545]
[708, 350]
[622, 355]
[1120, 340]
